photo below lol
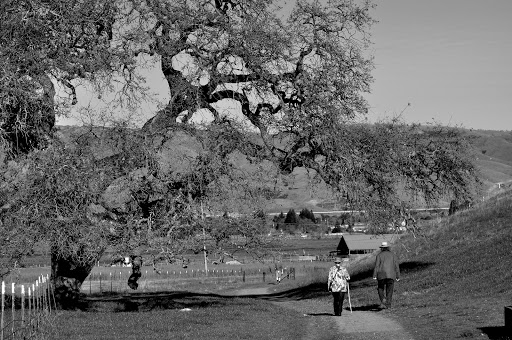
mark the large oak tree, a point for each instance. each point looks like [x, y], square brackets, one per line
[280, 91]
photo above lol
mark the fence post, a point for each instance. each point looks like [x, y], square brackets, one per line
[29, 304]
[22, 306]
[36, 296]
[264, 276]
[2, 317]
[34, 299]
[12, 310]
[48, 292]
[243, 276]
[43, 289]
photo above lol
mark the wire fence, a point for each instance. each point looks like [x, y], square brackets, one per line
[26, 313]
[116, 281]
[169, 280]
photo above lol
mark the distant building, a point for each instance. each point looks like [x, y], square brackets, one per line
[359, 244]
[359, 227]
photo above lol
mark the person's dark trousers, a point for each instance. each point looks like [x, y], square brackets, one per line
[385, 289]
[338, 302]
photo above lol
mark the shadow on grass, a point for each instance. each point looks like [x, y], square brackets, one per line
[497, 333]
[414, 266]
[367, 308]
[310, 291]
[364, 278]
[319, 314]
[147, 301]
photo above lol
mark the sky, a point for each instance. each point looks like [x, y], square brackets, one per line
[450, 59]
[436, 61]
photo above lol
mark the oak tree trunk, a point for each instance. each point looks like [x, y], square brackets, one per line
[67, 277]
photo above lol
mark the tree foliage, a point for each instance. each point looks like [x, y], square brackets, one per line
[49, 43]
[307, 214]
[291, 217]
[297, 86]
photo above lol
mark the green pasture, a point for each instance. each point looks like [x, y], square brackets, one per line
[39, 264]
[215, 318]
[201, 310]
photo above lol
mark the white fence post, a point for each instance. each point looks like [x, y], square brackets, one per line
[2, 317]
[12, 309]
[23, 306]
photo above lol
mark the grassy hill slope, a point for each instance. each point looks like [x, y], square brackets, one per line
[495, 144]
[492, 149]
[456, 280]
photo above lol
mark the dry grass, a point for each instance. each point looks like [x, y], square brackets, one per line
[455, 284]
[456, 279]
[211, 316]
[214, 318]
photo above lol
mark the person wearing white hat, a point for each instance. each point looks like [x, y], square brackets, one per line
[337, 284]
[386, 271]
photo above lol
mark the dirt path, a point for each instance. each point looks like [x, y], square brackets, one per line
[358, 325]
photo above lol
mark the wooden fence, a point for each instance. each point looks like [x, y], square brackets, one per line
[25, 313]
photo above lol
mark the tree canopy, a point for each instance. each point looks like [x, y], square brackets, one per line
[295, 85]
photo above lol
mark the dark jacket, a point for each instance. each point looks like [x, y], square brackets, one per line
[386, 266]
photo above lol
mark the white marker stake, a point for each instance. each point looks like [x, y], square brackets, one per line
[29, 304]
[2, 316]
[22, 305]
[12, 310]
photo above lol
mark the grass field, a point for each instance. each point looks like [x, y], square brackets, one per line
[456, 280]
[196, 313]
[215, 318]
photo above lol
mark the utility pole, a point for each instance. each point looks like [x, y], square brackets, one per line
[204, 242]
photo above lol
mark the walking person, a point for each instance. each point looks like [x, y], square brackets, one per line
[279, 272]
[386, 271]
[337, 284]
[136, 261]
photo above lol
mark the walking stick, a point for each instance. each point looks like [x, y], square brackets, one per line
[348, 292]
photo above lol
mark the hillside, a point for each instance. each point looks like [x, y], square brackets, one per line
[493, 152]
[492, 149]
[456, 279]
[493, 156]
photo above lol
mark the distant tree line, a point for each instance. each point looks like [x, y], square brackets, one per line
[307, 223]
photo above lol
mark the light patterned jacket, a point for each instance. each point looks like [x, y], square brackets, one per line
[337, 281]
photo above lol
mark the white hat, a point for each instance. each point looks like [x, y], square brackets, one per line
[384, 245]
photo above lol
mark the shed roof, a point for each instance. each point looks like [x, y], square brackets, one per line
[364, 241]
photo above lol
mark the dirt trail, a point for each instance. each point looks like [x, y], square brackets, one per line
[358, 325]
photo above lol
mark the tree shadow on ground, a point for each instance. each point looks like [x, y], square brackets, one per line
[364, 278]
[148, 301]
[497, 333]
[367, 308]
[410, 267]
[311, 291]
